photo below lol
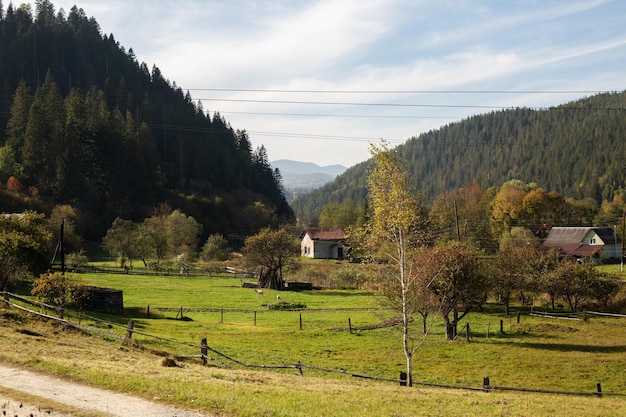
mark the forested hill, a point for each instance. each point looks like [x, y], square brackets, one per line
[82, 122]
[577, 149]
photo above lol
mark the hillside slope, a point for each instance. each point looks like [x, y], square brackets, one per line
[83, 122]
[577, 149]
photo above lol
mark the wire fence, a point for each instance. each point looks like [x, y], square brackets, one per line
[226, 360]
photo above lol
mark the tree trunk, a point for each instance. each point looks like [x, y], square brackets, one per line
[450, 330]
[405, 335]
[450, 327]
[409, 369]
[269, 278]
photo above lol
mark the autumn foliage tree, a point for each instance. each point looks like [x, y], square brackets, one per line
[457, 279]
[269, 251]
[59, 289]
[579, 283]
[24, 247]
[394, 231]
[512, 269]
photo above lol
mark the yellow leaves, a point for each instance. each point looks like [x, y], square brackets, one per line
[395, 209]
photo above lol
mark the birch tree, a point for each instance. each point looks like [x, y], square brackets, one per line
[394, 229]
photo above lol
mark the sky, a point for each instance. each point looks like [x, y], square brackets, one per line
[321, 81]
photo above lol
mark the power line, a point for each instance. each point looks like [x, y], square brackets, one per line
[340, 103]
[324, 137]
[413, 105]
[264, 90]
[338, 115]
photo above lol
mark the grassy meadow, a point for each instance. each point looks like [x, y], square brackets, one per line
[536, 353]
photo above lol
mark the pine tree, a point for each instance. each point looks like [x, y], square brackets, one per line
[20, 109]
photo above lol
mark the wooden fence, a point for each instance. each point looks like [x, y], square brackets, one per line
[203, 350]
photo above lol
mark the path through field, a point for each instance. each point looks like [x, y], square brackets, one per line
[75, 395]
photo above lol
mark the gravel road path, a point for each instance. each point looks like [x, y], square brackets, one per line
[79, 396]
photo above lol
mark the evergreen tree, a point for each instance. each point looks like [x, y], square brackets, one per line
[20, 109]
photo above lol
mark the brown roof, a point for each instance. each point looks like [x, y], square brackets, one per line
[573, 249]
[325, 234]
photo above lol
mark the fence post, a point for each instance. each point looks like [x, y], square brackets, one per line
[61, 312]
[148, 311]
[599, 389]
[486, 386]
[181, 313]
[6, 297]
[501, 326]
[468, 333]
[519, 314]
[403, 379]
[129, 332]
[488, 329]
[350, 325]
[204, 350]
[255, 318]
[300, 321]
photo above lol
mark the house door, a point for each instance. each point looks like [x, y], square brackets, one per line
[340, 253]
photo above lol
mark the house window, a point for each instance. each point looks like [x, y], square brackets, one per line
[592, 241]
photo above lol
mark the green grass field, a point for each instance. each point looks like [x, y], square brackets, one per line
[537, 353]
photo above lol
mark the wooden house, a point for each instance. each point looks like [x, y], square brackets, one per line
[323, 244]
[598, 243]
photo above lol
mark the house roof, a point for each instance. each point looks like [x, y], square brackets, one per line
[559, 236]
[569, 240]
[573, 249]
[325, 234]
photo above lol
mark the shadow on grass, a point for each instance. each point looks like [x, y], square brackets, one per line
[573, 348]
[340, 293]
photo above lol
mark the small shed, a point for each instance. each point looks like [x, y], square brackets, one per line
[104, 299]
[323, 244]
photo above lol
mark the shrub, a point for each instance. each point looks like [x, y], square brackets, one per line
[348, 278]
[317, 276]
[77, 260]
[618, 303]
[286, 306]
[58, 289]
[13, 184]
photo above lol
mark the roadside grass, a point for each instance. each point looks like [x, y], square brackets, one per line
[537, 353]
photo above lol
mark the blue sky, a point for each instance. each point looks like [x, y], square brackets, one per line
[319, 81]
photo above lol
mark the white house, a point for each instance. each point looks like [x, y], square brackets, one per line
[323, 244]
[600, 243]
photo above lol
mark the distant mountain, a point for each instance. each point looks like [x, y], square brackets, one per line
[301, 177]
[576, 149]
[296, 167]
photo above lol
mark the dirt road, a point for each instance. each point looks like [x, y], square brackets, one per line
[108, 403]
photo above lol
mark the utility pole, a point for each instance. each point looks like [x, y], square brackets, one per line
[622, 257]
[456, 218]
[62, 244]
